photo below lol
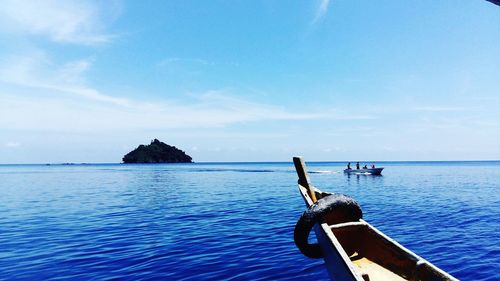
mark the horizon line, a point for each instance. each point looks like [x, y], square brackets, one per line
[247, 162]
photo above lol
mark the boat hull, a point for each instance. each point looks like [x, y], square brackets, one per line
[374, 171]
[354, 250]
[337, 245]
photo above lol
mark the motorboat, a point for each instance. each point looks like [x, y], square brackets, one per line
[372, 171]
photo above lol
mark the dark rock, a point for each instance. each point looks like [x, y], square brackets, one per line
[157, 152]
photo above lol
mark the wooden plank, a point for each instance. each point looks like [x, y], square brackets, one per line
[375, 271]
[442, 275]
[337, 261]
[304, 180]
[347, 224]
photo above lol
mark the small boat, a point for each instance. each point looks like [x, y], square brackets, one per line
[374, 171]
[353, 249]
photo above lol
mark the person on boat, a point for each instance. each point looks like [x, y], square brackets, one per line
[349, 166]
[357, 165]
[365, 167]
[373, 166]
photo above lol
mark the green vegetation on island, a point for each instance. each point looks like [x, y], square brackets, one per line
[157, 152]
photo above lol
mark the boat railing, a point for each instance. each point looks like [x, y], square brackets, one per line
[348, 225]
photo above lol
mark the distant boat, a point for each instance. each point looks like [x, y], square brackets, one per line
[353, 249]
[374, 171]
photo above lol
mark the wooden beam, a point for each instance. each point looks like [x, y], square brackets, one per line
[304, 180]
[347, 224]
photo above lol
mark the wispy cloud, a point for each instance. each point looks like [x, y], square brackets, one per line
[77, 114]
[173, 60]
[440, 108]
[321, 11]
[38, 71]
[193, 61]
[12, 144]
[69, 21]
[58, 97]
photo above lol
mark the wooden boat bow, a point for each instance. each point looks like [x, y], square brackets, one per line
[352, 248]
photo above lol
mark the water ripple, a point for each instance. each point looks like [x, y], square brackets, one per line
[231, 221]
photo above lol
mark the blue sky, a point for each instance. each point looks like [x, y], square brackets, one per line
[87, 81]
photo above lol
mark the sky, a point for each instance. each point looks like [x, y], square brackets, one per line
[88, 81]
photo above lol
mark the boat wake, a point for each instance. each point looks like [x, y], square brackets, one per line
[235, 170]
[324, 172]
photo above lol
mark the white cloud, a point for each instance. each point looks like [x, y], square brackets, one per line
[37, 71]
[68, 21]
[37, 94]
[172, 60]
[321, 11]
[12, 144]
[194, 62]
[79, 114]
[440, 108]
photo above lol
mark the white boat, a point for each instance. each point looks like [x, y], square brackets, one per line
[353, 249]
[374, 171]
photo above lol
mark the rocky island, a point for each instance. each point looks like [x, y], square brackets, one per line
[157, 152]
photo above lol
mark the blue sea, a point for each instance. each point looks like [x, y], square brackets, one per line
[232, 221]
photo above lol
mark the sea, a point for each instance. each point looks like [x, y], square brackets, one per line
[233, 221]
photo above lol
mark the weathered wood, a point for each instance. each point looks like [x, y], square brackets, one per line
[358, 251]
[343, 269]
[348, 224]
[304, 180]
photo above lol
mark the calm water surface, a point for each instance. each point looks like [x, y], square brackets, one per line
[232, 221]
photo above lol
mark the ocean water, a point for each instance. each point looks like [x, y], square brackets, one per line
[232, 221]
